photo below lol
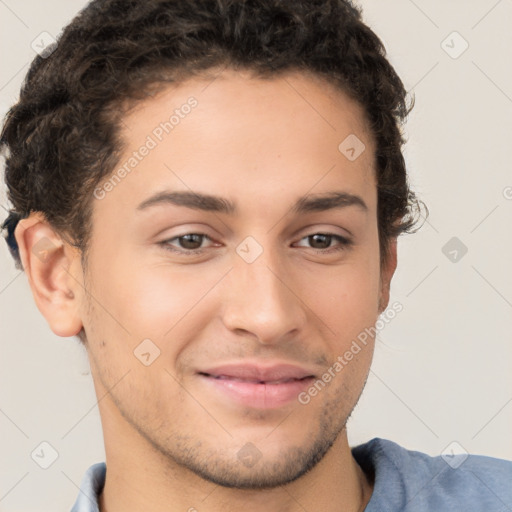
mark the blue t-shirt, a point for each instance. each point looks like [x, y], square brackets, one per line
[404, 481]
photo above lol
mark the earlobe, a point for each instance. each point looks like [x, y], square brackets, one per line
[48, 263]
[387, 272]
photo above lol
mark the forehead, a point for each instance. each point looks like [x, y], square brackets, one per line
[242, 137]
[277, 102]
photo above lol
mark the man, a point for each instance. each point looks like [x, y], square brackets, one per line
[208, 194]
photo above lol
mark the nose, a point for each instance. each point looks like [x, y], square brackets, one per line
[261, 299]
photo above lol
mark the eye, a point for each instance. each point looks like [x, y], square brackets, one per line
[322, 242]
[190, 243]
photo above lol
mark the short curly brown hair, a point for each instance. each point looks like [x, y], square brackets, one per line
[63, 136]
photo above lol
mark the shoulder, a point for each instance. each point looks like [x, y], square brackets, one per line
[410, 480]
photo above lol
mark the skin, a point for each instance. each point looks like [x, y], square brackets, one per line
[171, 442]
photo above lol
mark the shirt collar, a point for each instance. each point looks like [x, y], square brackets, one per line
[90, 489]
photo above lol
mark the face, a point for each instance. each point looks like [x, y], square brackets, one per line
[230, 266]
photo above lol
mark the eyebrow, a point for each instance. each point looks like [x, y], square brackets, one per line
[211, 203]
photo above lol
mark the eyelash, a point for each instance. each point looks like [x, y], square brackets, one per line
[344, 243]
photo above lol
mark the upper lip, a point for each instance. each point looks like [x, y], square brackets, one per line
[258, 372]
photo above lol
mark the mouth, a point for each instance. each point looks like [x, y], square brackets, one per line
[256, 381]
[255, 386]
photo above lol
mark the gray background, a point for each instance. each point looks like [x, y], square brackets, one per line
[442, 367]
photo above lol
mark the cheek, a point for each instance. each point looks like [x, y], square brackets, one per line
[167, 305]
[345, 297]
[157, 298]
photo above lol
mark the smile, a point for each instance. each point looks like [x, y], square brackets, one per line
[255, 393]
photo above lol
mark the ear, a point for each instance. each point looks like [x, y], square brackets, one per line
[386, 273]
[50, 265]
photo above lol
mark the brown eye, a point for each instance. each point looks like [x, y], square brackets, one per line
[320, 241]
[324, 242]
[188, 244]
[191, 241]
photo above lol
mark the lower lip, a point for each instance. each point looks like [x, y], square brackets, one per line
[259, 396]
